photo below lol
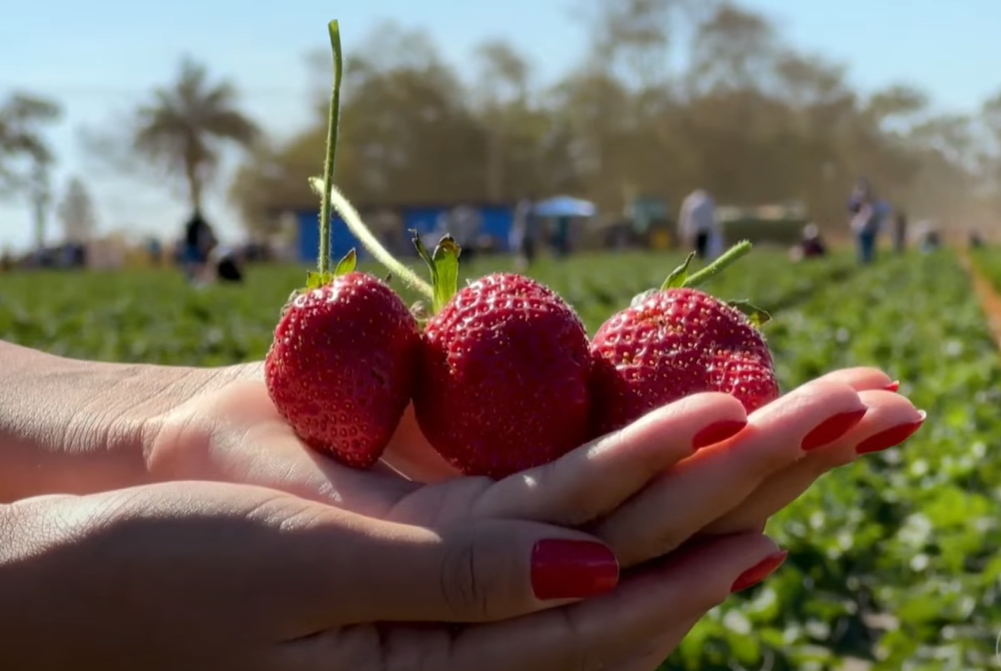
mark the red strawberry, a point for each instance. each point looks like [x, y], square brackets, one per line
[504, 377]
[674, 343]
[342, 365]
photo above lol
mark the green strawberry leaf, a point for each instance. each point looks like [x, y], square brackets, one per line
[315, 279]
[347, 264]
[422, 252]
[443, 266]
[639, 298]
[677, 278]
[446, 262]
[754, 314]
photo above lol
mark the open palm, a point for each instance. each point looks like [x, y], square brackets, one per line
[644, 489]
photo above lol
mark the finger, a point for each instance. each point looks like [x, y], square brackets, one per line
[410, 454]
[704, 487]
[891, 419]
[653, 654]
[596, 478]
[863, 378]
[287, 465]
[598, 632]
[355, 569]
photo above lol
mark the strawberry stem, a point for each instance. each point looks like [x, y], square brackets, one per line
[354, 222]
[330, 197]
[728, 258]
[328, 164]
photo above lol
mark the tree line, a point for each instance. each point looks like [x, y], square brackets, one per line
[671, 95]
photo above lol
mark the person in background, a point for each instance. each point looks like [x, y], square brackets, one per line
[976, 242]
[868, 213]
[810, 246]
[524, 232]
[900, 232]
[465, 223]
[155, 250]
[199, 241]
[561, 236]
[697, 222]
[226, 265]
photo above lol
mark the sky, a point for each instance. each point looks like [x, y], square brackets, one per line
[100, 58]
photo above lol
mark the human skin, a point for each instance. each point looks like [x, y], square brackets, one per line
[82, 444]
[83, 427]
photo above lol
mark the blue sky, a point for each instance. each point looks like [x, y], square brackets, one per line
[100, 57]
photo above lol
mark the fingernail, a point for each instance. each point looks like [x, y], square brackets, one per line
[889, 438]
[759, 572]
[563, 569]
[832, 428]
[893, 386]
[718, 432]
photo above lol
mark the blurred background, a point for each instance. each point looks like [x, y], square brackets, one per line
[154, 207]
[117, 120]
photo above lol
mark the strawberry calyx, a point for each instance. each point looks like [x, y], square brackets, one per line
[318, 278]
[680, 278]
[443, 266]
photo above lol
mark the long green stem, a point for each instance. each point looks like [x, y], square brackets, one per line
[355, 224]
[727, 258]
[333, 120]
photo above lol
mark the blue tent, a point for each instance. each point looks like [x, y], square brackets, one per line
[564, 206]
[497, 220]
[341, 239]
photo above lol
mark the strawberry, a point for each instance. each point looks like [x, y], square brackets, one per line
[342, 365]
[676, 342]
[504, 371]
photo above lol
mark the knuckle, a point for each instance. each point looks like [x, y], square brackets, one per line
[667, 541]
[464, 586]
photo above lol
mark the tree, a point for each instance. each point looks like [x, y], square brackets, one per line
[501, 96]
[26, 158]
[748, 117]
[76, 212]
[183, 128]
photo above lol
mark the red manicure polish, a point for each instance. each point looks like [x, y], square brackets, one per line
[563, 569]
[759, 572]
[893, 386]
[832, 428]
[889, 438]
[718, 432]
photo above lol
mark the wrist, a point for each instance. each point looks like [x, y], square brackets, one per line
[70, 426]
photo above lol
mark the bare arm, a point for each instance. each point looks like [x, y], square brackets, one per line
[76, 427]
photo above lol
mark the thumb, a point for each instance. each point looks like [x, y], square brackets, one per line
[474, 572]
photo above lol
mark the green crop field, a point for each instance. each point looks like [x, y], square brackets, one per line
[895, 561]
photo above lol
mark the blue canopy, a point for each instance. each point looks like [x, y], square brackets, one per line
[564, 206]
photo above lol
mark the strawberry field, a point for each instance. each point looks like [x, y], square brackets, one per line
[895, 561]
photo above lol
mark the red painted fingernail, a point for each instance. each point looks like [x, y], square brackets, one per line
[718, 432]
[759, 572]
[832, 428]
[563, 569]
[893, 386]
[889, 438]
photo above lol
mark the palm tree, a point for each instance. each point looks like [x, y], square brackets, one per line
[183, 128]
[25, 155]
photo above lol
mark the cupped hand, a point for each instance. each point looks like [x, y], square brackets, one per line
[205, 576]
[645, 489]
